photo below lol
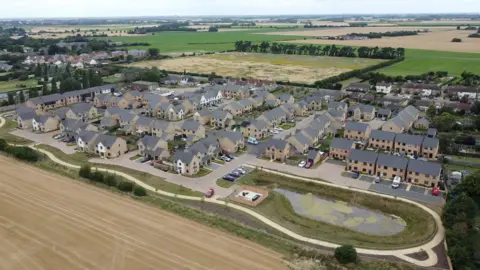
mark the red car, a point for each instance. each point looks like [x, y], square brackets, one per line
[309, 164]
[209, 193]
[435, 191]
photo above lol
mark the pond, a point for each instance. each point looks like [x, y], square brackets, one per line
[341, 214]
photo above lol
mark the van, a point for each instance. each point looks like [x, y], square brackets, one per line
[396, 182]
[252, 140]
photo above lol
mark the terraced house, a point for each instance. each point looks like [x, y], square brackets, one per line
[231, 142]
[389, 166]
[380, 139]
[47, 102]
[340, 148]
[362, 161]
[423, 172]
[236, 91]
[300, 142]
[235, 108]
[357, 131]
[82, 111]
[430, 147]
[408, 144]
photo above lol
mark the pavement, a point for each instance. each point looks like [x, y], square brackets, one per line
[44, 138]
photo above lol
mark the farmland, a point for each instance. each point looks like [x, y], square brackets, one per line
[295, 68]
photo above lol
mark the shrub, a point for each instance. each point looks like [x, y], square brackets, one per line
[125, 186]
[3, 144]
[346, 254]
[457, 40]
[139, 191]
[23, 152]
[85, 172]
[110, 180]
[97, 176]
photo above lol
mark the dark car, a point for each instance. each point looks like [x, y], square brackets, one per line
[228, 178]
[355, 175]
[235, 175]
[229, 155]
[255, 197]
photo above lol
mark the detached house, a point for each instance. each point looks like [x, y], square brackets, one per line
[340, 148]
[211, 97]
[70, 128]
[357, 131]
[82, 111]
[235, 108]
[24, 120]
[45, 123]
[385, 88]
[101, 101]
[362, 112]
[231, 142]
[153, 148]
[144, 125]
[300, 142]
[186, 163]
[337, 105]
[422, 123]
[107, 146]
[86, 141]
[285, 98]
[276, 149]
[191, 127]
[314, 102]
[221, 119]
[257, 129]
[203, 117]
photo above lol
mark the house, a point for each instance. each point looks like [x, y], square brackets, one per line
[300, 142]
[221, 119]
[408, 144]
[257, 129]
[160, 128]
[424, 89]
[338, 115]
[314, 102]
[203, 117]
[380, 139]
[144, 86]
[394, 125]
[134, 95]
[358, 87]
[461, 91]
[211, 97]
[45, 123]
[362, 112]
[108, 122]
[70, 128]
[137, 53]
[430, 147]
[276, 149]
[86, 141]
[46, 102]
[424, 104]
[362, 161]
[101, 101]
[25, 119]
[403, 121]
[392, 100]
[432, 132]
[236, 91]
[421, 123]
[313, 133]
[191, 127]
[61, 113]
[385, 88]
[235, 108]
[82, 111]
[107, 146]
[423, 173]
[285, 98]
[208, 147]
[186, 163]
[126, 118]
[384, 113]
[301, 108]
[340, 148]
[199, 149]
[152, 147]
[337, 105]
[273, 117]
[357, 131]
[143, 125]
[247, 105]
[231, 142]
[314, 156]
[389, 166]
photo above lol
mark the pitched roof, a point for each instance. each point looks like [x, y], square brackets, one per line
[432, 131]
[114, 110]
[302, 139]
[185, 157]
[203, 113]
[150, 141]
[144, 121]
[312, 154]
[106, 140]
[235, 105]
[363, 108]
[81, 108]
[51, 98]
[363, 156]
[284, 97]
[384, 111]
[277, 143]
[424, 167]
[356, 126]
[219, 114]
[232, 136]
[392, 161]
[126, 116]
[409, 139]
[430, 142]
[41, 119]
[359, 85]
[27, 115]
[160, 125]
[191, 125]
[87, 135]
[259, 124]
[340, 143]
[382, 135]
[336, 104]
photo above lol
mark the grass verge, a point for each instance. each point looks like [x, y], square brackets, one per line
[224, 183]
[420, 225]
[9, 126]
[137, 156]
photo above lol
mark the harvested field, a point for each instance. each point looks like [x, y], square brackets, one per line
[294, 68]
[51, 222]
[438, 40]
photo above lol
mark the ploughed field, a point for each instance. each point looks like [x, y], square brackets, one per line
[51, 222]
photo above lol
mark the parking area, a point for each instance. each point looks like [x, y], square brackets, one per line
[45, 138]
[235, 177]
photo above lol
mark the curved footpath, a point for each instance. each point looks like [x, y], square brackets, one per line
[399, 253]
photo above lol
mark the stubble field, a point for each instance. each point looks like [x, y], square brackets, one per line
[50, 222]
[294, 68]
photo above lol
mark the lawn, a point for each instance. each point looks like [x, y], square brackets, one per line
[168, 42]
[420, 226]
[224, 183]
[137, 156]
[467, 159]
[15, 85]
[202, 172]
[287, 126]
[10, 125]
[154, 181]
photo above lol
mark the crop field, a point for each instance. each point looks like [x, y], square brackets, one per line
[51, 222]
[168, 42]
[295, 68]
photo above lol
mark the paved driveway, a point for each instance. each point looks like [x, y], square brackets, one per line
[45, 138]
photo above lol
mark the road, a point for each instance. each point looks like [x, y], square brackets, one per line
[51, 222]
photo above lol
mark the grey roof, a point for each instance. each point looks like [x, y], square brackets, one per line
[409, 139]
[219, 114]
[126, 116]
[245, 102]
[356, 126]
[150, 141]
[340, 143]
[359, 86]
[198, 147]
[185, 157]
[336, 113]
[211, 94]
[71, 124]
[363, 156]
[144, 121]
[236, 88]
[114, 110]
[203, 113]
[191, 125]
[232, 136]
[363, 108]
[382, 135]
[430, 142]
[313, 98]
[27, 115]
[423, 120]
[51, 98]
[432, 131]
[24, 109]
[106, 140]
[179, 108]
[41, 119]
[236, 106]
[81, 108]
[160, 124]
[411, 110]
[336, 104]
[61, 112]
[284, 97]
[165, 105]
[424, 167]
[310, 131]
[277, 143]
[87, 135]
[392, 161]
[397, 122]
[271, 102]
[259, 124]
[384, 111]
[108, 121]
[312, 154]
[302, 139]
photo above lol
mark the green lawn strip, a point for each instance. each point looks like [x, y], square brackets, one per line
[9, 126]
[420, 225]
[466, 159]
[224, 183]
[6, 86]
[202, 172]
[218, 161]
[159, 183]
[137, 156]
[287, 126]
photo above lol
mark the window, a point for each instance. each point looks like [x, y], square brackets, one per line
[417, 173]
[394, 169]
[426, 183]
[427, 175]
[364, 163]
[385, 167]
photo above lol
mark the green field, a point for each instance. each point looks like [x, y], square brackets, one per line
[200, 41]
[13, 85]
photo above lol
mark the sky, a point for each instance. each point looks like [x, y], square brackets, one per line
[118, 8]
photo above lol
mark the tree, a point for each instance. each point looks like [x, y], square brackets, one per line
[460, 209]
[96, 80]
[85, 172]
[3, 144]
[346, 254]
[470, 186]
[44, 89]
[139, 191]
[444, 122]
[97, 177]
[85, 80]
[21, 97]
[38, 71]
[154, 52]
[11, 99]
[54, 86]
[125, 186]
[213, 29]
[111, 180]
[129, 58]
[431, 111]
[211, 76]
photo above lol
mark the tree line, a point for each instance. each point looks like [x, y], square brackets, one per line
[176, 26]
[373, 35]
[374, 77]
[111, 180]
[316, 50]
[20, 152]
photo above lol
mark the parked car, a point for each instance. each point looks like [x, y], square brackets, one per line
[302, 164]
[209, 193]
[230, 156]
[355, 175]
[228, 178]
[236, 173]
[256, 197]
[309, 164]
[274, 131]
[241, 170]
[396, 182]
[225, 158]
[252, 140]
[435, 191]
[58, 137]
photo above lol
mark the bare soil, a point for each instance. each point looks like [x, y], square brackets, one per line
[51, 222]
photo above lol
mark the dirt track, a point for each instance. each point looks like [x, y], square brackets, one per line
[51, 222]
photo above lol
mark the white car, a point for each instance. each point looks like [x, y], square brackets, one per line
[241, 170]
[278, 129]
[302, 164]
[225, 158]
[274, 131]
